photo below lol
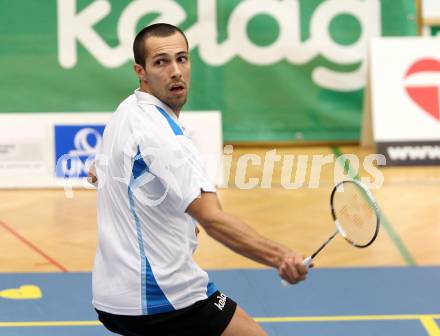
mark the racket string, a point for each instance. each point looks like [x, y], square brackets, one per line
[355, 213]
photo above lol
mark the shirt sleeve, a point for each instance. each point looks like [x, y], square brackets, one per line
[194, 182]
[178, 165]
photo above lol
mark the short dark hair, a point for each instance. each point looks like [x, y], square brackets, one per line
[157, 29]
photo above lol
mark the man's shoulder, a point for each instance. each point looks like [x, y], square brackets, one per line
[132, 104]
[127, 103]
[143, 117]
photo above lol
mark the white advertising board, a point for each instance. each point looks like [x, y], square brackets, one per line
[405, 100]
[32, 146]
[431, 9]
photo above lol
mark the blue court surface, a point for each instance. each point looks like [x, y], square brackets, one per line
[343, 302]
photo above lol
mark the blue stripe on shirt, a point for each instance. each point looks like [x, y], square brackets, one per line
[176, 128]
[153, 298]
[211, 289]
[139, 165]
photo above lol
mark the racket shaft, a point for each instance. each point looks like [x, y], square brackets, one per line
[324, 245]
[309, 260]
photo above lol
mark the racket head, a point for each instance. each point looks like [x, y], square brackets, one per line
[355, 213]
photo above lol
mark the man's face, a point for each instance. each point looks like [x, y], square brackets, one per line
[167, 70]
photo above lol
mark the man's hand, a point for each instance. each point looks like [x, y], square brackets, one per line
[292, 268]
[91, 176]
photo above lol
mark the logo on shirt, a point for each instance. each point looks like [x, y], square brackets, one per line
[221, 301]
[75, 148]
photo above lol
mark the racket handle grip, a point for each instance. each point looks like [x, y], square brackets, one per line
[307, 261]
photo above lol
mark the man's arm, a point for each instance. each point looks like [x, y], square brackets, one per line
[244, 240]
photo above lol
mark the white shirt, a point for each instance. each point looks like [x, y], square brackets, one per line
[148, 173]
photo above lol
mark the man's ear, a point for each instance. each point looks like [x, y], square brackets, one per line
[140, 71]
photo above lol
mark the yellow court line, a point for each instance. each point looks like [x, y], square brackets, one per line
[430, 326]
[345, 318]
[427, 321]
[51, 324]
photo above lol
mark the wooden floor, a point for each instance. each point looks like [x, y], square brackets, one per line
[43, 231]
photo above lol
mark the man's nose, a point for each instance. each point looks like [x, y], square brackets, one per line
[176, 72]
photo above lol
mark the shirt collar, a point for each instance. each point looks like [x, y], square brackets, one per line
[147, 98]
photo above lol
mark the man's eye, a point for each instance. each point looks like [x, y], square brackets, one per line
[160, 62]
[182, 59]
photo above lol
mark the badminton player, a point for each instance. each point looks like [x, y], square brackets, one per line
[152, 190]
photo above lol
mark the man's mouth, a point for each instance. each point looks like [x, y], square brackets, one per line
[177, 88]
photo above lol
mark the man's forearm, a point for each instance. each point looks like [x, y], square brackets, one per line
[244, 240]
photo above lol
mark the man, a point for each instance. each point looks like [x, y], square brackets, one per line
[152, 190]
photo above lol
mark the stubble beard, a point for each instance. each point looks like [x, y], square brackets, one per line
[176, 103]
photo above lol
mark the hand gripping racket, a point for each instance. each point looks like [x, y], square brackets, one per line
[356, 216]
